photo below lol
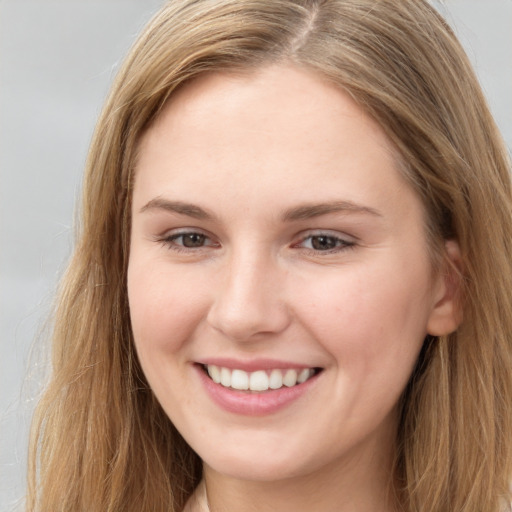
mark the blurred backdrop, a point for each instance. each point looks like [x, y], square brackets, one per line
[57, 59]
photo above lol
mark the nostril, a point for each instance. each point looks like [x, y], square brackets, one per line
[249, 301]
[248, 322]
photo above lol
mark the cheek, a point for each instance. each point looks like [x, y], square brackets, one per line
[370, 320]
[165, 309]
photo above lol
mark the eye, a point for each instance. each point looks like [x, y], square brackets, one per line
[187, 240]
[325, 242]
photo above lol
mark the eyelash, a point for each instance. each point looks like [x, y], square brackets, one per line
[169, 241]
[339, 244]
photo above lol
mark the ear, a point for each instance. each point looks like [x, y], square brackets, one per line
[446, 314]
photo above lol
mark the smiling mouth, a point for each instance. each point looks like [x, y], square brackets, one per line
[260, 380]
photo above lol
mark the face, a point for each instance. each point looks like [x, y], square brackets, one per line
[276, 247]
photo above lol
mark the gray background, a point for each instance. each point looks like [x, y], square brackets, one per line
[57, 59]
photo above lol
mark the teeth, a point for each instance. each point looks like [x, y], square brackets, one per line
[304, 375]
[276, 379]
[239, 380]
[214, 373]
[225, 377]
[260, 380]
[290, 378]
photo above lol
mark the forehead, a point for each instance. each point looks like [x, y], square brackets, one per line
[278, 129]
[274, 96]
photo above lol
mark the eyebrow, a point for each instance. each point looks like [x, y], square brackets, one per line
[309, 211]
[188, 209]
[302, 212]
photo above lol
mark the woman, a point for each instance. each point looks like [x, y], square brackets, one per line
[291, 289]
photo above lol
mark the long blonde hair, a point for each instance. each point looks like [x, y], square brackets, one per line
[100, 440]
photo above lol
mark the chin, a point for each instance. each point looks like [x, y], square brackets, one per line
[256, 471]
[261, 465]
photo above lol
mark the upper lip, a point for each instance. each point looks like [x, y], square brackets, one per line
[253, 364]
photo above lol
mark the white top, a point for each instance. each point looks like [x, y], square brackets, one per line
[198, 502]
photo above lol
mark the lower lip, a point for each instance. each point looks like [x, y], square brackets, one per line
[253, 403]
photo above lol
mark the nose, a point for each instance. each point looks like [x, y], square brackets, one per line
[249, 302]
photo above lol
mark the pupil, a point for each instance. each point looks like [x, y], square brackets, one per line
[193, 240]
[322, 243]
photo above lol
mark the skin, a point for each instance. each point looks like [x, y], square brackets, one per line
[251, 150]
